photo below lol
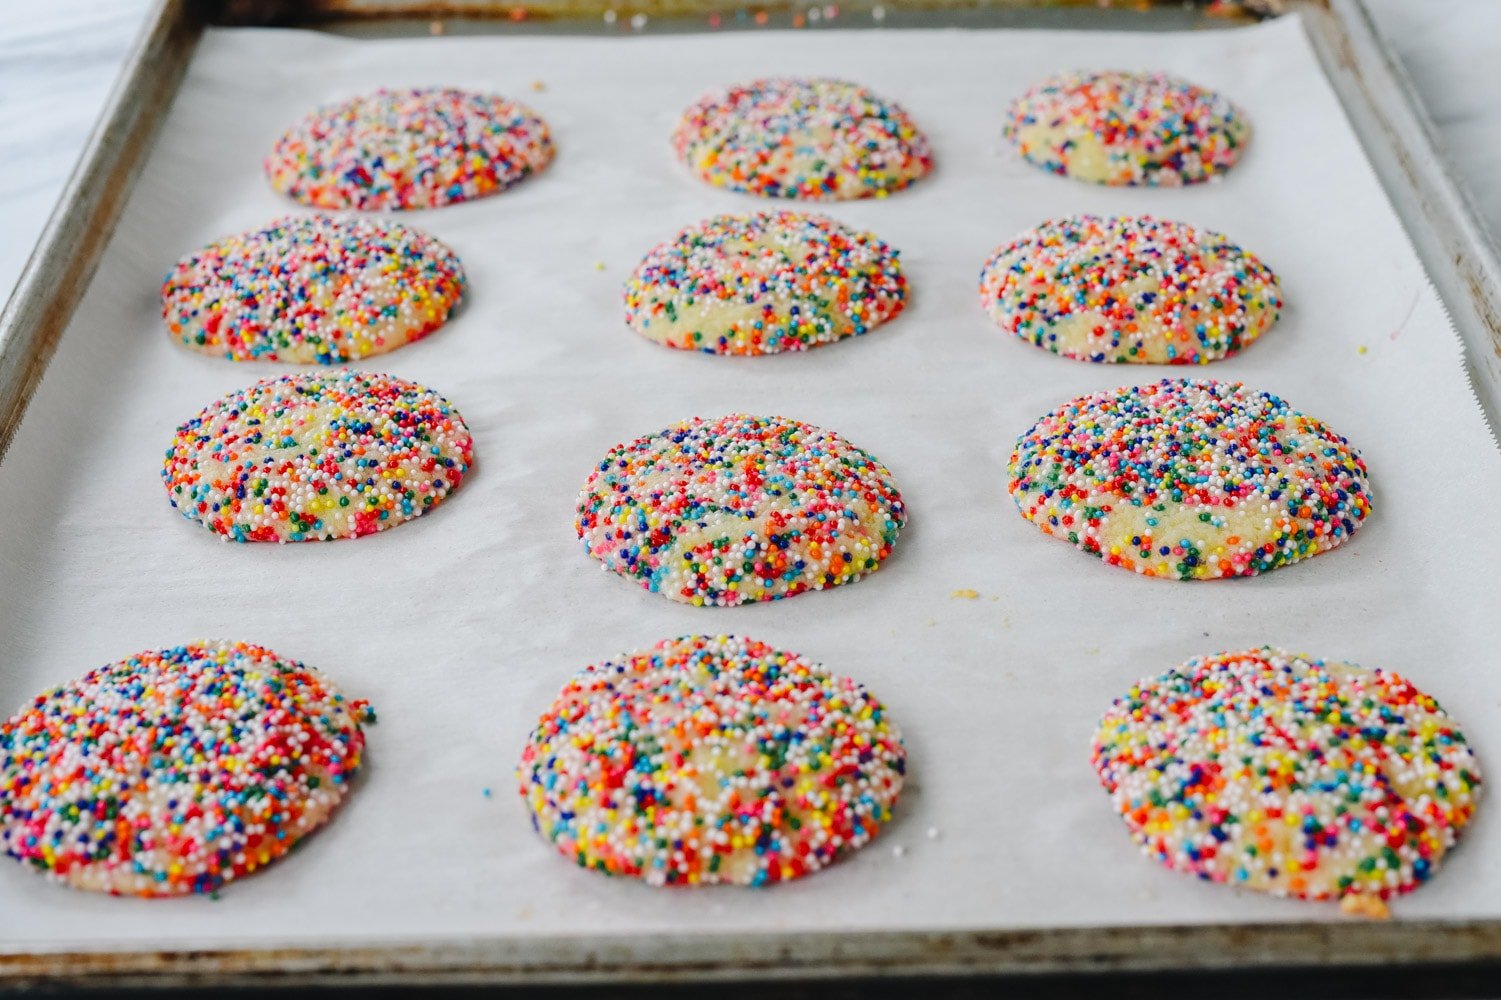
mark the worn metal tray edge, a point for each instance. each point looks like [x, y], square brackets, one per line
[1463, 264]
[68, 252]
[1399, 138]
[649, 958]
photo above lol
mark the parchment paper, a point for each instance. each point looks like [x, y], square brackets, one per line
[461, 626]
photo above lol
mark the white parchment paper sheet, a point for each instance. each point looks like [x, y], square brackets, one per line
[460, 627]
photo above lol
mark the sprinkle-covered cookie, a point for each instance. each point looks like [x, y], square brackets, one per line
[1130, 289]
[812, 138]
[312, 289]
[1189, 479]
[711, 761]
[1289, 775]
[763, 284]
[1127, 128]
[176, 770]
[313, 457]
[417, 148]
[739, 509]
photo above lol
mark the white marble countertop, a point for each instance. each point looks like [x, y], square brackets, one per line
[57, 65]
[1450, 49]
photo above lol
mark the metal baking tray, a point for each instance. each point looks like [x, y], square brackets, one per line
[1459, 257]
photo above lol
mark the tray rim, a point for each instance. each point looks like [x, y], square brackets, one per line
[1461, 260]
[787, 957]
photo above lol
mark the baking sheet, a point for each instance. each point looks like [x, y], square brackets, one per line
[460, 627]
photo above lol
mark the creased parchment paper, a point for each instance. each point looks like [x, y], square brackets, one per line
[461, 626]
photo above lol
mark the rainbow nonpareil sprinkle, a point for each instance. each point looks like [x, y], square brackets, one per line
[1289, 775]
[312, 289]
[764, 284]
[403, 149]
[1127, 128]
[176, 770]
[1189, 479]
[316, 457]
[739, 509]
[711, 760]
[793, 137]
[1130, 289]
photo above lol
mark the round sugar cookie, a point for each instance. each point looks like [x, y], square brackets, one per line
[312, 290]
[739, 509]
[1289, 775]
[417, 148]
[1129, 289]
[176, 770]
[813, 138]
[1190, 479]
[1127, 128]
[318, 456]
[711, 760]
[763, 284]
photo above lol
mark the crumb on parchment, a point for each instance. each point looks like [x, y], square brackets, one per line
[1359, 904]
